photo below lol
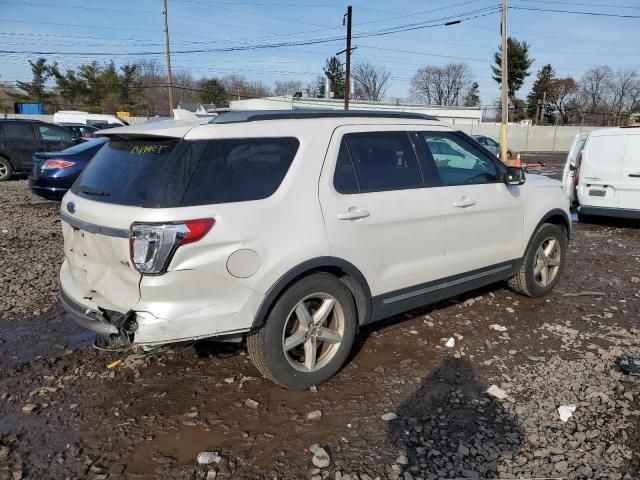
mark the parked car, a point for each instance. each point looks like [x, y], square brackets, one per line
[53, 173]
[607, 174]
[491, 145]
[292, 229]
[20, 139]
[570, 167]
[80, 130]
[86, 118]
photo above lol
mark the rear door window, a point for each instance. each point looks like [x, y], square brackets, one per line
[55, 134]
[171, 172]
[381, 161]
[19, 130]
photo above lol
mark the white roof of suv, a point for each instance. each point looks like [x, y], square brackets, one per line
[179, 128]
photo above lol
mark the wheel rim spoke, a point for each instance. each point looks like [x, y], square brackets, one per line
[295, 340]
[303, 315]
[553, 262]
[550, 248]
[329, 336]
[544, 276]
[324, 311]
[310, 354]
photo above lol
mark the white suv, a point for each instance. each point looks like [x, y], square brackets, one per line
[292, 229]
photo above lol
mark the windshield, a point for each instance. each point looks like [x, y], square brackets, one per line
[161, 172]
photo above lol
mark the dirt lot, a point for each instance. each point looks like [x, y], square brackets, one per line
[65, 414]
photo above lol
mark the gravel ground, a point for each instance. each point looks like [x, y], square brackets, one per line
[30, 243]
[405, 406]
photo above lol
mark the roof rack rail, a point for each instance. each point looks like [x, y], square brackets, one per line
[240, 116]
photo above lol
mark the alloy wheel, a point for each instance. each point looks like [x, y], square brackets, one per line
[547, 262]
[313, 332]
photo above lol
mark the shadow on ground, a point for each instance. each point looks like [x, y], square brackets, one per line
[451, 428]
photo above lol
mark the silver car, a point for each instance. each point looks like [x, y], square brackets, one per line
[490, 144]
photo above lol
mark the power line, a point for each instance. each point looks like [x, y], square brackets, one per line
[400, 28]
[574, 4]
[594, 14]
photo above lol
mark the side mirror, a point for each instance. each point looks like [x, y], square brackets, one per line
[515, 176]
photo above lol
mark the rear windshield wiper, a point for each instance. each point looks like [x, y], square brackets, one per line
[93, 191]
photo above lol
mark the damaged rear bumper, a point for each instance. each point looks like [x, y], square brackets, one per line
[104, 323]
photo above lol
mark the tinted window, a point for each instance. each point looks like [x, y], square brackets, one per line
[56, 134]
[19, 130]
[344, 179]
[383, 160]
[171, 173]
[459, 162]
[491, 143]
[238, 170]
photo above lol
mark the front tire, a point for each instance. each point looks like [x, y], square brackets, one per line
[6, 169]
[542, 264]
[308, 335]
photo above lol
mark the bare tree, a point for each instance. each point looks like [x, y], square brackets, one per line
[287, 87]
[625, 89]
[446, 85]
[594, 97]
[562, 96]
[151, 76]
[239, 87]
[370, 82]
[184, 88]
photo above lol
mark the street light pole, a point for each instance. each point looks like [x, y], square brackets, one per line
[169, 76]
[505, 87]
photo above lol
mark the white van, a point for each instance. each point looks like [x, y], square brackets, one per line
[86, 118]
[607, 174]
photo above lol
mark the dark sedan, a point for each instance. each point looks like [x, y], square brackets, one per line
[54, 172]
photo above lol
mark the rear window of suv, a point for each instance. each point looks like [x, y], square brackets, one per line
[163, 173]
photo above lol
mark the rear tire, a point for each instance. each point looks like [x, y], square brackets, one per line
[542, 264]
[308, 335]
[6, 169]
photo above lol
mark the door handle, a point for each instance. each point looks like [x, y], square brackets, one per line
[354, 213]
[464, 202]
[634, 175]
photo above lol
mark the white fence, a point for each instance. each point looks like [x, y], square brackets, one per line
[522, 138]
[530, 138]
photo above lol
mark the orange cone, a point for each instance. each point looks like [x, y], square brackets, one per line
[518, 162]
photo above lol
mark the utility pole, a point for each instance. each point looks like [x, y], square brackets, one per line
[505, 86]
[169, 76]
[347, 80]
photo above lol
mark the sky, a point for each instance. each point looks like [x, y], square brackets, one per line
[129, 30]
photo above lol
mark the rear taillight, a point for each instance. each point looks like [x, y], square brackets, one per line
[151, 245]
[54, 164]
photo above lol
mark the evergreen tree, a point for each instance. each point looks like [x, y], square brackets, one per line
[335, 73]
[544, 79]
[35, 90]
[472, 98]
[212, 91]
[518, 65]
